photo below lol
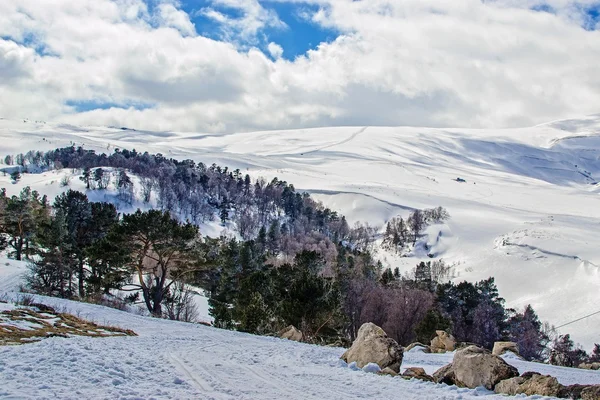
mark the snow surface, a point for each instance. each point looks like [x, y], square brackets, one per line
[175, 360]
[528, 213]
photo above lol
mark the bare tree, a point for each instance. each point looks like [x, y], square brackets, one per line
[180, 304]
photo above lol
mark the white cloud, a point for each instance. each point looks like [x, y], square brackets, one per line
[245, 28]
[411, 62]
[275, 50]
[170, 16]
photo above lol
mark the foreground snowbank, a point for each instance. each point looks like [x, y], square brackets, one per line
[173, 360]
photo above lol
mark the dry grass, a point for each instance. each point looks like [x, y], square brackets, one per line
[32, 324]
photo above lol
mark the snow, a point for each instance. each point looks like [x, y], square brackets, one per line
[175, 360]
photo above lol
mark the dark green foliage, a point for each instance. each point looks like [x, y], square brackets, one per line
[595, 356]
[433, 321]
[160, 252]
[15, 176]
[255, 297]
[476, 310]
[565, 353]
[20, 218]
[86, 177]
[525, 329]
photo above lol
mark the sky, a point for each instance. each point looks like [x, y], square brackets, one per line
[245, 65]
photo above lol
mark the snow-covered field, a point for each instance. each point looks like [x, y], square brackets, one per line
[175, 360]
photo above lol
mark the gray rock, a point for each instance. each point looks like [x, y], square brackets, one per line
[474, 366]
[291, 333]
[502, 347]
[509, 386]
[374, 346]
[444, 375]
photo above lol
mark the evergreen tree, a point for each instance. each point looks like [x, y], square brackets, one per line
[15, 176]
[525, 329]
[86, 177]
[161, 252]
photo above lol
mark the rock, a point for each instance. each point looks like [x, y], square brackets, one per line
[474, 366]
[374, 346]
[542, 385]
[291, 333]
[444, 375]
[591, 393]
[571, 391]
[595, 366]
[443, 342]
[509, 386]
[388, 371]
[417, 347]
[502, 347]
[417, 373]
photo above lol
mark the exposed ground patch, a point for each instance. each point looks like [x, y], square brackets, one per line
[19, 325]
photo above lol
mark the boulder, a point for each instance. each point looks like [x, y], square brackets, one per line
[542, 385]
[417, 373]
[474, 366]
[443, 342]
[509, 386]
[291, 333]
[374, 346]
[444, 375]
[591, 393]
[418, 347]
[502, 347]
[594, 366]
[572, 391]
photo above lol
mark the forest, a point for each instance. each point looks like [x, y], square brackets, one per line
[291, 261]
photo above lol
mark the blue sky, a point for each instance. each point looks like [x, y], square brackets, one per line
[146, 64]
[296, 39]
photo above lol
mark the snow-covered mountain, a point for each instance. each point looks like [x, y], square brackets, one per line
[527, 213]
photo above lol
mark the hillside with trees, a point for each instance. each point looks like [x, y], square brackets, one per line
[291, 261]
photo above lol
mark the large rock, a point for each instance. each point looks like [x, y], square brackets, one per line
[591, 393]
[542, 385]
[444, 375]
[474, 366]
[509, 386]
[502, 347]
[593, 366]
[291, 333]
[443, 342]
[417, 347]
[417, 373]
[374, 346]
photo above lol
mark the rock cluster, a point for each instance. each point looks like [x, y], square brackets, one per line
[472, 366]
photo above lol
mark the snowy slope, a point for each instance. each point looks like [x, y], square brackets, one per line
[173, 360]
[528, 213]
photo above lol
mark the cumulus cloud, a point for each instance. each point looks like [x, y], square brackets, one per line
[462, 63]
[170, 16]
[275, 50]
[254, 17]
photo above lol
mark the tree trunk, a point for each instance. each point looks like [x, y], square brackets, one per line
[81, 277]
